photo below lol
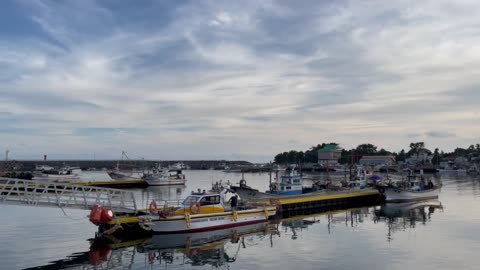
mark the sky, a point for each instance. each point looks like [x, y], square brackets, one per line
[235, 79]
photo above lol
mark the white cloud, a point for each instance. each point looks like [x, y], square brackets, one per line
[242, 78]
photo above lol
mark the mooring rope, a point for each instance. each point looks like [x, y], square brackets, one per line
[65, 213]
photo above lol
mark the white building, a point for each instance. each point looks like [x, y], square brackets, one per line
[422, 156]
[329, 154]
[377, 160]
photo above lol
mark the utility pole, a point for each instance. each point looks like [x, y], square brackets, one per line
[270, 181]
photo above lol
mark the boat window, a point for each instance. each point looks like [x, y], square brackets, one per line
[289, 187]
[189, 200]
[296, 181]
[210, 200]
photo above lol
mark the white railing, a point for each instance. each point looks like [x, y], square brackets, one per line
[52, 194]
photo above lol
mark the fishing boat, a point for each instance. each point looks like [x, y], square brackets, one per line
[126, 170]
[125, 175]
[202, 212]
[411, 189]
[165, 177]
[63, 174]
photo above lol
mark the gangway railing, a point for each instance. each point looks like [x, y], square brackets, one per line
[64, 195]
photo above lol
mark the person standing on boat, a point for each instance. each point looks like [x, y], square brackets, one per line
[234, 201]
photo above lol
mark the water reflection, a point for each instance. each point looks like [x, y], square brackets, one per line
[216, 248]
[221, 248]
[401, 216]
[207, 248]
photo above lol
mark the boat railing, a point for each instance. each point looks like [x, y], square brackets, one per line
[168, 204]
[64, 195]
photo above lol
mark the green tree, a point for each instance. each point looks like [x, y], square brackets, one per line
[416, 147]
[401, 155]
[366, 149]
[383, 152]
[281, 158]
[311, 155]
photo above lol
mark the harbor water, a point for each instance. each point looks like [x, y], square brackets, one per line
[437, 234]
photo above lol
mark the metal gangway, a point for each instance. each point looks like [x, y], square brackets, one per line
[64, 195]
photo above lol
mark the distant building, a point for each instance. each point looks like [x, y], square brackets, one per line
[423, 156]
[461, 161]
[377, 160]
[329, 154]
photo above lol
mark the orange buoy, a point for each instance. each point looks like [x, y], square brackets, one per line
[195, 208]
[153, 207]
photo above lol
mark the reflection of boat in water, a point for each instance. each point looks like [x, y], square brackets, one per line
[399, 216]
[162, 241]
[206, 248]
[215, 248]
[406, 209]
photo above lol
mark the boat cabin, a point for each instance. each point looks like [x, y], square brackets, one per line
[288, 185]
[201, 203]
[418, 183]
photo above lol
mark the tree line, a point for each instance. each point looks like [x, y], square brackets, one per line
[368, 149]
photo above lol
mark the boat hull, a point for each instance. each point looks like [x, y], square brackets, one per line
[165, 182]
[206, 222]
[393, 194]
[460, 171]
[121, 176]
[56, 177]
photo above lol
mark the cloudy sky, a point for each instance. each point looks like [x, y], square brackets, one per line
[235, 79]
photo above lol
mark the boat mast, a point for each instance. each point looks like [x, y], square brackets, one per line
[270, 175]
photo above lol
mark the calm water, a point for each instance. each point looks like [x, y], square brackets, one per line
[441, 235]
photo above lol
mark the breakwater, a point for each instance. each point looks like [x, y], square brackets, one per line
[28, 165]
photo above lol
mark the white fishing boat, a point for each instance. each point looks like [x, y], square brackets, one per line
[165, 177]
[450, 167]
[178, 166]
[202, 212]
[459, 171]
[411, 189]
